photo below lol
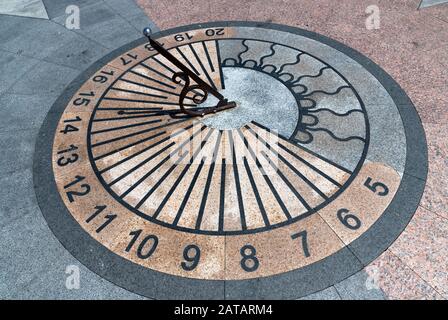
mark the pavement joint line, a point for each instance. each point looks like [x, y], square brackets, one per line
[26, 72]
[41, 60]
[416, 273]
[17, 217]
[63, 14]
[19, 129]
[24, 17]
[86, 37]
[336, 289]
[437, 214]
[77, 33]
[347, 246]
[118, 14]
[81, 35]
[446, 21]
[55, 95]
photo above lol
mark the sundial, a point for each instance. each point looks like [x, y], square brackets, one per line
[250, 158]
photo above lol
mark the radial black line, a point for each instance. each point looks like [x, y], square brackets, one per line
[188, 193]
[136, 143]
[126, 118]
[157, 72]
[167, 77]
[202, 66]
[126, 126]
[146, 175]
[171, 191]
[301, 176]
[163, 65]
[287, 182]
[237, 183]
[221, 76]
[136, 154]
[149, 87]
[154, 88]
[152, 79]
[207, 54]
[171, 169]
[305, 149]
[139, 92]
[265, 176]
[222, 195]
[257, 195]
[148, 101]
[208, 183]
[188, 61]
[153, 156]
[320, 172]
[159, 182]
[145, 161]
[132, 134]
[125, 108]
[159, 112]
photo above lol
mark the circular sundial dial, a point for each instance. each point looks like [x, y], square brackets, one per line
[251, 159]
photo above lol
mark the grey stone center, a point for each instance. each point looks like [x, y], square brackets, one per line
[259, 97]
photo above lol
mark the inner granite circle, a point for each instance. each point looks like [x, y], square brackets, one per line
[259, 97]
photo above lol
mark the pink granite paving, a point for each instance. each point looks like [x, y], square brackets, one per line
[423, 246]
[412, 46]
[398, 281]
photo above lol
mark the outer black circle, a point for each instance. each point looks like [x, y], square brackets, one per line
[236, 232]
[288, 285]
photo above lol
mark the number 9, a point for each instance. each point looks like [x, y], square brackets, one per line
[193, 259]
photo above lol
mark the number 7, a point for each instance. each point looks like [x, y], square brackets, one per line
[303, 235]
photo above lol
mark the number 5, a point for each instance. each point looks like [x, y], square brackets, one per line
[374, 187]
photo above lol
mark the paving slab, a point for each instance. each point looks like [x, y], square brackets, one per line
[327, 294]
[17, 192]
[56, 8]
[38, 270]
[48, 41]
[24, 8]
[24, 111]
[44, 78]
[12, 67]
[103, 24]
[18, 149]
[359, 286]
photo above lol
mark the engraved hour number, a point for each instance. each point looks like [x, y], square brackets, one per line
[70, 127]
[192, 254]
[214, 32]
[303, 235]
[146, 247]
[108, 217]
[82, 100]
[150, 48]
[128, 58]
[249, 262]
[83, 189]
[182, 37]
[348, 219]
[70, 158]
[377, 187]
[103, 76]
